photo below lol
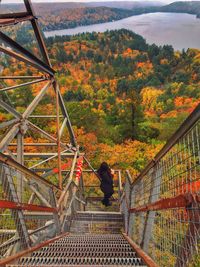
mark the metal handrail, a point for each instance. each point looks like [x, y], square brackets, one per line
[12, 168]
[12, 163]
[161, 206]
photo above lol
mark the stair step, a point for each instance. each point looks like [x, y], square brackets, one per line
[132, 261]
[97, 222]
[84, 250]
[116, 247]
[77, 265]
[96, 205]
[98, 216]
[99, 213]
[98, 219]
[84, 253]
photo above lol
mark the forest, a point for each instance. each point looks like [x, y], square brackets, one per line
[73, 17]
[122, 94]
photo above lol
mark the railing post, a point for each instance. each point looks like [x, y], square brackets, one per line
[20, 159]
[156, 177]
[82, 191]
[119, 184]
[64, 192]
[65, 212]
[55, 215]
[141, 215]
[127, 201]
[18, 216]
[76, 204]
[131, 215]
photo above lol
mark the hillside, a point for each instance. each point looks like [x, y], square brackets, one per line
[55, 16]
[192, 7]
[123, 95]
[126, 4]
[69, 15]
[57, 7]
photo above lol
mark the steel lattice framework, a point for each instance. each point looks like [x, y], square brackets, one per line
[23, 186]
[21, 123]
[41, 181]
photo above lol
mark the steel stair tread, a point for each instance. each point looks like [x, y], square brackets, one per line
[84, 250]
[74, 265]
[84, 260]
[97, 222]
[86, 253]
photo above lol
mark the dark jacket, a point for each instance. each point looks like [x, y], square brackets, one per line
[106, 182]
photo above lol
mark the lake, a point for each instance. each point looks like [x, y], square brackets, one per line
[179, 30]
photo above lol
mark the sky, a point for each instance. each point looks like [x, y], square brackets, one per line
[19, 1]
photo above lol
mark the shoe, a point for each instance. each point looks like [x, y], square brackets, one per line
[103, 202]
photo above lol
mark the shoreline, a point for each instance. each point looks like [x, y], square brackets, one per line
[134, 15]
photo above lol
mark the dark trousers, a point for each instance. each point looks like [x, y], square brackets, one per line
[105, 201]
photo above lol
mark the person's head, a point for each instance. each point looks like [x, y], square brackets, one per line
[104, 167]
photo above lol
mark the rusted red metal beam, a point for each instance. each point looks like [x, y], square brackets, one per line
[14, 15]
[180, 201]
[146, 258]
[11, 21]
[5, 204]
[10, 259]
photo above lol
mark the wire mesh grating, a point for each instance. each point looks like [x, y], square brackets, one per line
[165, 204]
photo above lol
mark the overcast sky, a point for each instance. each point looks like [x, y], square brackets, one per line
[20, 1]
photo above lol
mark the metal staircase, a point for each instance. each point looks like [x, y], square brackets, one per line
[83, 250]
[94, 239]
[88, 243]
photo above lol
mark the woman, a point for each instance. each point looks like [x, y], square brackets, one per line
[106, 186]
